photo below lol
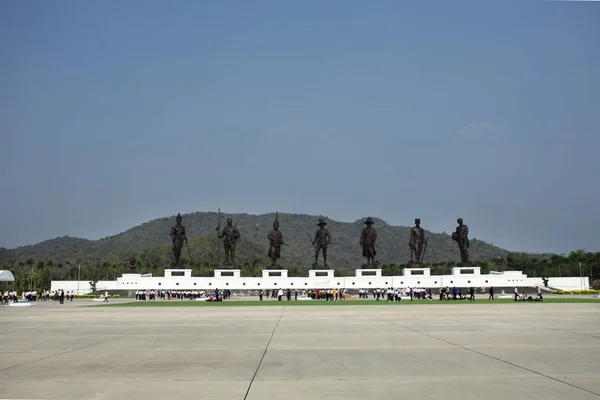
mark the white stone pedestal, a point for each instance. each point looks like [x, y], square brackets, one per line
[321, 273]
[368, 272]
[178, 273]
[227, 273]
[275, 273]
[416, 271]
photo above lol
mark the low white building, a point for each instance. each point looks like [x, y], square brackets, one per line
[182, 279]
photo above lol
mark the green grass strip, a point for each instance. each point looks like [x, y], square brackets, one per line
[345, 303]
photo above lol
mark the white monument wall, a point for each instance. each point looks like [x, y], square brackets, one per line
[132, 282]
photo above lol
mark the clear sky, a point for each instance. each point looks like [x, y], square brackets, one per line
[114, 113]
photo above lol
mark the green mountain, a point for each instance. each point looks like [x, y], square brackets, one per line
[150, 243]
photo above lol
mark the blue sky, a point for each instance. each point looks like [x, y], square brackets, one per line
[115, 113]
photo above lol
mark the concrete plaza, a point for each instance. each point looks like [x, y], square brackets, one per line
[464, 351]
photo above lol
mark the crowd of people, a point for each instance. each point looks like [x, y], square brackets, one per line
[327, 294]
[337, 294]
[33, 295]
[396, 294]
[332, 294]
[278, 294]
[150, 295]
[524, 297]
[457, 294]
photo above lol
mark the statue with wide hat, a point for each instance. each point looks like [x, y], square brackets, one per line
[368, 237]
[320, 242]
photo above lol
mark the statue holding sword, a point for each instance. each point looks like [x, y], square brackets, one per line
[275, 242]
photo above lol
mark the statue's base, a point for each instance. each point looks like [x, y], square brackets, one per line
[227, 273]
[227, 266]
[412, 264]
[320, 273]
[465, 265]
[320, 267]
[368, 266]
[275, 273]
[368, 272]
[178, 273]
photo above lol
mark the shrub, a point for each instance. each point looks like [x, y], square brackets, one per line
[596, 284]
[116, 296]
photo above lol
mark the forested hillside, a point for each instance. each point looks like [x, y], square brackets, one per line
[140, 240]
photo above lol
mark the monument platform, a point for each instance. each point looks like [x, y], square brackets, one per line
[178, 273]
[227, 273]
[182, 279]
[368, 272]
[414, 271]
[275, 273]
[466, 270]
[321, 273]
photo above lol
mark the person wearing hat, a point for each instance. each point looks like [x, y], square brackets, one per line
[230, 236]
[178, 237]
[275, 241]
[368, 237]
[321, 241]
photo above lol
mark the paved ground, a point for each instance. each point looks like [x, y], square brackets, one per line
[464, 351]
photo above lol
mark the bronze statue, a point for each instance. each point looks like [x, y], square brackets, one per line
[460, 236]
[231, 235]
[416, 243]
[178, 237]
[510, 265]
[132, 262]
[320, 242]
[275, 241]
[368, 237]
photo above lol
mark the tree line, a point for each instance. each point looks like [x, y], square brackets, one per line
[37, 275]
